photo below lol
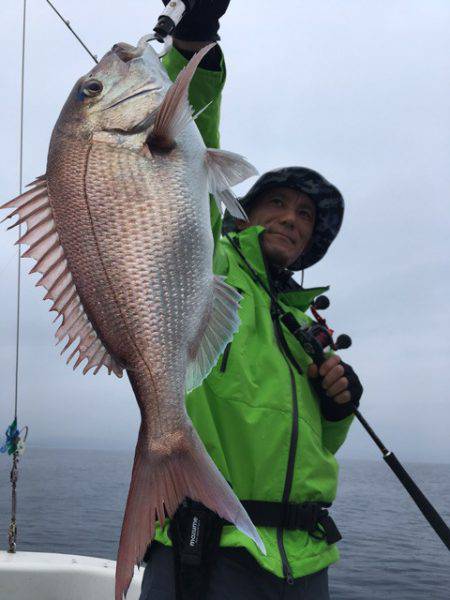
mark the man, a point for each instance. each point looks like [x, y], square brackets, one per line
[269, 420]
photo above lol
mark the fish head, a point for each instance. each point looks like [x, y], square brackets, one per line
[119, 94]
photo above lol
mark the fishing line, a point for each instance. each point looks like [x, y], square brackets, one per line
[14, 444]
[8, 261]
[19, 252]
[68, 25]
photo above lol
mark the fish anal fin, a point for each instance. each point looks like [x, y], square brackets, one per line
[175, 112]
[218, 328]
[226, 169]
[34, 209]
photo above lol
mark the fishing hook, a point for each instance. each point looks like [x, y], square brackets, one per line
[151, 37]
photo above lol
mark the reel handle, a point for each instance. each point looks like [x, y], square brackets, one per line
[343, 342]
[321, 302]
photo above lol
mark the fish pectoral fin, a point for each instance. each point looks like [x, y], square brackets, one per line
[216, 332]
[226, 169]
[175, 112]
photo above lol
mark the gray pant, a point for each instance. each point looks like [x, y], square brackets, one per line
[234, 576]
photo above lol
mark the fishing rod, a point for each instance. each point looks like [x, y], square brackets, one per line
[314, 340]
[68, 25]
[167, 21]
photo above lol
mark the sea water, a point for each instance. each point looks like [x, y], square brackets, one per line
[72, 501]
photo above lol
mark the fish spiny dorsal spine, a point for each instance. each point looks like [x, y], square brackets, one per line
[34, 209]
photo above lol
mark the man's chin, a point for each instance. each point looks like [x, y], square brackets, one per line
[276, 256]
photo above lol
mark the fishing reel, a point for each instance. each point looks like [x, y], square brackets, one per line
[317, 337]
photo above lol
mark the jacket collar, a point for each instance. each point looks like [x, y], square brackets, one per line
[287, 290]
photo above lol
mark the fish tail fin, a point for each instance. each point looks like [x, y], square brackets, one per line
[165, 472]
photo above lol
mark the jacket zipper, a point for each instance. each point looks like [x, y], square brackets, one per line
[223, 364]
[289, 358]
[292, 446]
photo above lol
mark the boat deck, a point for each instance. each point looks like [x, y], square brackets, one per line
[41, 576]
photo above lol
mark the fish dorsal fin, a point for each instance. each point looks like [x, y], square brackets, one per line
[34, 209]
[226, 169]
[218, 329]
[175, 112]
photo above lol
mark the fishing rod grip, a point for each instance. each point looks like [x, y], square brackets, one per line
[424, 505]
[170, 17]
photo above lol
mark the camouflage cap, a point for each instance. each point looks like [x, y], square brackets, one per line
[326, 197]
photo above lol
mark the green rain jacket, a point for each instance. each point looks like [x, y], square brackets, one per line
[256, 414]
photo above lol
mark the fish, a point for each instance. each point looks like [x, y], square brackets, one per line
[119, 229]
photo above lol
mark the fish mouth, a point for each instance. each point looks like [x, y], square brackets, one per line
[126, 52]
[140, 93]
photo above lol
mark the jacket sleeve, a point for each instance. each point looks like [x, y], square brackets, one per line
[335, 432]
[205, 90]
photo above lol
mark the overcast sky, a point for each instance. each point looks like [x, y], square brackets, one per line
[356, 89]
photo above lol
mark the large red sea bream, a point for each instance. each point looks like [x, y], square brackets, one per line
[119, 227]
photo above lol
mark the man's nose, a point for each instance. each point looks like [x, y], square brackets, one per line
[288, 219]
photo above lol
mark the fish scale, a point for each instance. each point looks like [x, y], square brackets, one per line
[161, 292]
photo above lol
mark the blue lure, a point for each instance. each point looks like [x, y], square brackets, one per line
[14, 442]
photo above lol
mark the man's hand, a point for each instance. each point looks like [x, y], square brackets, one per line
[334, 382]
[201, 23]
[337, 386]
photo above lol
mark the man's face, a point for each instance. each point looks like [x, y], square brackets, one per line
[288, 217]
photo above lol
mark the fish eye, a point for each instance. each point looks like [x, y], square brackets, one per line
[92, 87]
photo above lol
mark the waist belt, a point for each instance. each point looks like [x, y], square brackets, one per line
[195, 532]
[312, 517]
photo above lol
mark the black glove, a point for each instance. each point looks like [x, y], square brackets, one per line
[201, 23]
[331, 410]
